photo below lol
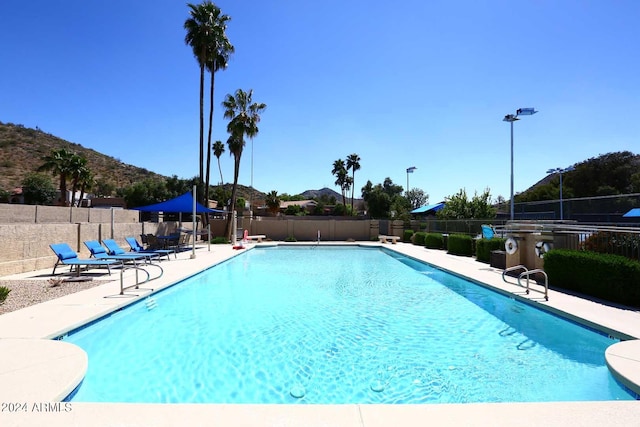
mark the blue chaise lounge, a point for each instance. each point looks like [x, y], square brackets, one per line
[67, 256]
[100, 252]
[137, 247]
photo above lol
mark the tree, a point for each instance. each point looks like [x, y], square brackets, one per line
[459, 206]
[38, 189]
[218, 150]
[206, 34]
[177, 187]
[273, 202]
[220, 49]
[342, 178]
[222, 196]
[416, 198]
[146, 192]
[77, 168]
[381, 199]
[353, 163]
[4, 196]
[86, 180]
[59, 162]
[103, 188]
[244, 116]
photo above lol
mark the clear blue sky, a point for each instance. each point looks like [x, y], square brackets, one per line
[411, 83]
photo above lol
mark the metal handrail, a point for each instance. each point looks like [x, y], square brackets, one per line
[137, 284]
[515, 267]
[546, 281]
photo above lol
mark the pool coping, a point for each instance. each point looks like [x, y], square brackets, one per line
[54, 318]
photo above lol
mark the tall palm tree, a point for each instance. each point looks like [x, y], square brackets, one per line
[220, 49]
[342, 178]
[218, 149]
[78, 165]
[272, 200]
[58, 162]
[206, 35]
[86, 180]
[353, 163]
[244, 116]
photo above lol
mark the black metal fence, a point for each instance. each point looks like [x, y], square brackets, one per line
[599, 209]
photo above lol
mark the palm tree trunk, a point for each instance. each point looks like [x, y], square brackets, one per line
[206, 188]
[353, 188]
[201, 122]
[220, 169]
[63, 190]
[232, 208]
[82, 188]
[74, 187]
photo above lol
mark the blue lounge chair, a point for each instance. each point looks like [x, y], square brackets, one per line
[99, 252]
[137, 247]
[114, 249]
[67, 256]
[487, 231]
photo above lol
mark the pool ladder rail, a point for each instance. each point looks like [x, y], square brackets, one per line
[138, 268]
[526, 273]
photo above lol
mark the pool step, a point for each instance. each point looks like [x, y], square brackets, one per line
[150, 303]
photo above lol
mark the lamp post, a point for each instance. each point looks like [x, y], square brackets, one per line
[512, 118]
[560, 171]
[409, 170]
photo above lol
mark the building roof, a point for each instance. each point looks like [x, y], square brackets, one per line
[428, 208]
[301, 203]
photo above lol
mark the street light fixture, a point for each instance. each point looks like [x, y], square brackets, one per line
[409, 170]
[560, 171]
[512, 118]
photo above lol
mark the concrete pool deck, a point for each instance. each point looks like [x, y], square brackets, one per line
[35, 371]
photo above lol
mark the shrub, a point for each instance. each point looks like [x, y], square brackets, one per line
[219, 240]
[290, 239]
[419, 238]
[434, 241]
[610, 277]
[407, 236]
[4, 292]
[613, 243]
[460, 244]
[485, 246]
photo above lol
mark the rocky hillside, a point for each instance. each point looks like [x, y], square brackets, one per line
[22, 150]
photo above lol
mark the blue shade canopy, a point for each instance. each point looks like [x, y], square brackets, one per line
[632, 213]
[428, 208]
[182, 203]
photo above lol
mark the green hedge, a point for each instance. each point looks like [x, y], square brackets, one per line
[434, 241]
[219, 240]
[418, 238]
[406, 237]
[485, 246]
[610, 277]
[460, 244]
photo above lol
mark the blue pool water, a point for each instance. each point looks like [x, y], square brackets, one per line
[338, 325]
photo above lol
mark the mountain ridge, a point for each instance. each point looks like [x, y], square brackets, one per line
[22, 150]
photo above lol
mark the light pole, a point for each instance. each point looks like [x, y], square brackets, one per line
[560, 171]
[409, 170]
[512, 118]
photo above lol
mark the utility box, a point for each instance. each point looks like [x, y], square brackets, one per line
[498, 259]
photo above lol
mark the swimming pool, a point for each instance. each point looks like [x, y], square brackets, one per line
[338, 325]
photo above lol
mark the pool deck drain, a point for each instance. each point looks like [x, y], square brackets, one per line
[36, 371]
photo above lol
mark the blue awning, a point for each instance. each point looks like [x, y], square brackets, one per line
[182, 203]
[632, 213]
[428, 208]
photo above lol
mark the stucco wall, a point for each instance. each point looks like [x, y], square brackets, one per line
[27, 231]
